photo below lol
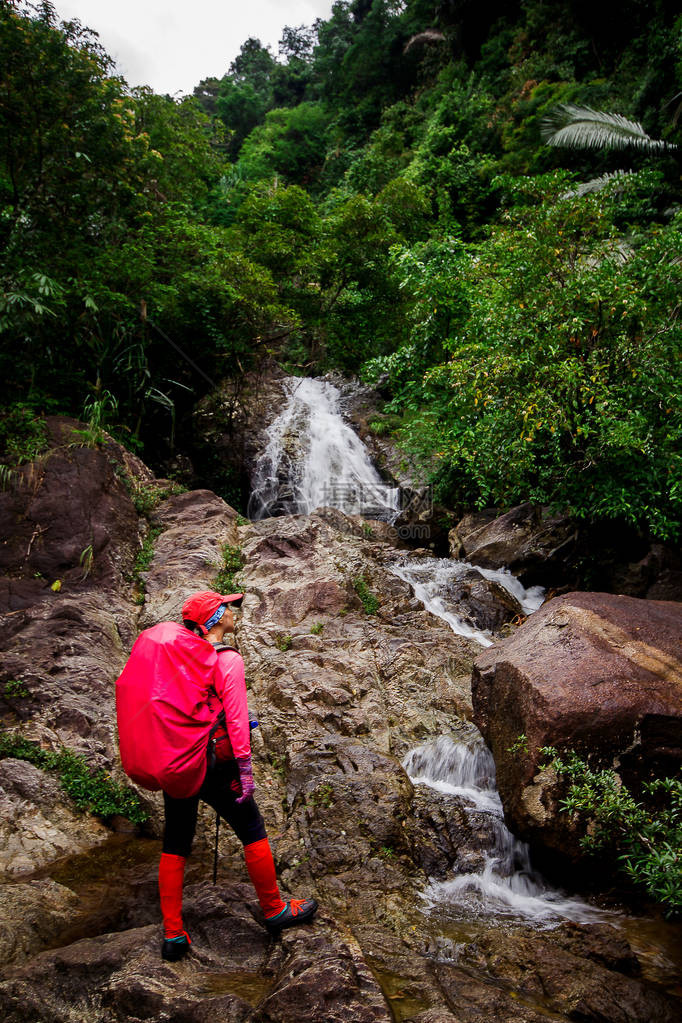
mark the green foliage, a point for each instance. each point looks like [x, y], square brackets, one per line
[316, 628]
[15, 687]
[23, 436]
[86, 560]
[145, 555]
[227, 580]
[644, 836]
[519, 747]
[370, 601]
[146, 497]
[92, 791]
[290, 143]
[96, 412]
[562, 352]
[103, 196]
[284, 642]
[278, 764]
[585, 128]
[375, 196]
[322, 796]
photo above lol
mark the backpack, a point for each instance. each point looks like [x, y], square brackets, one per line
[167, 709]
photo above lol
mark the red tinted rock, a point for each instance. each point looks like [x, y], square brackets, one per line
[68, 517]
[593, 672]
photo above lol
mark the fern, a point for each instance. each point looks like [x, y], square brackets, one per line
[585, 128]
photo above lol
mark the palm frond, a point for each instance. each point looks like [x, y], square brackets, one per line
[585, 128]
[431, 35]
[595, 184]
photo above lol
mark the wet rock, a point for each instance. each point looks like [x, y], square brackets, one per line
[233, 972]
[442, 840]
[31, 914]
[656, 576]
[341, 693]
[69, 517]
[534, 545]
[482, 602]
[554, 971]
[332, 784]
[325, 979]
[187, 553]
[231, 422]
[592, 672]
[38, 823]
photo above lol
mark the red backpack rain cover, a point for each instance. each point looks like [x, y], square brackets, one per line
[167, 702]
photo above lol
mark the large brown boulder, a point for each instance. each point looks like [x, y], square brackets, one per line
[532, 543]
[594, 672]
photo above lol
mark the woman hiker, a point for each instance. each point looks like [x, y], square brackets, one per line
[183, 727]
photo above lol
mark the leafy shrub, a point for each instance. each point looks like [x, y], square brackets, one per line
[92, 791]
[15, 687]
[645, 838]
[145, 555]
[227, 580]
[284, 642]
[370, 602]
[23, 436]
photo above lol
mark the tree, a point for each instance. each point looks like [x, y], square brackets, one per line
[245, 93]
[291, 143]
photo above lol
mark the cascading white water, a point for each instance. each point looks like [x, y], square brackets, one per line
[313, 459]
[507, 885]
[429, 578]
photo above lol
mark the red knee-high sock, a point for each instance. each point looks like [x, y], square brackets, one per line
[261, 868]
[171, 876]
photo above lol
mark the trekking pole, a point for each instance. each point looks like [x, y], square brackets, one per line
[253, 723]
[215, 854]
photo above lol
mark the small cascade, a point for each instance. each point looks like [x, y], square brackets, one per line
[430, 577]
[313, 459]
[506, 885]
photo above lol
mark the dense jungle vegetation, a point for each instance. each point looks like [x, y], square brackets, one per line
[380, 197]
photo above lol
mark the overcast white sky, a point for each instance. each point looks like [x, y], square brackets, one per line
[173, 44]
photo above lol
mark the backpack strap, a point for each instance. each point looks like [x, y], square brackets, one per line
[220, 720]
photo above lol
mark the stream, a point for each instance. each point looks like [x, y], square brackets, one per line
[312, 459]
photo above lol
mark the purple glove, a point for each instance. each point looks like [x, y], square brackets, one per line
[245, 778]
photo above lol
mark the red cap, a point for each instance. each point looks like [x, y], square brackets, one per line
[201, 606]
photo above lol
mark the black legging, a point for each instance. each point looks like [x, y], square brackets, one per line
[220, 790]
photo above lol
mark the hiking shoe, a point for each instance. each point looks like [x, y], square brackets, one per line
[295, 912]
[175, 949]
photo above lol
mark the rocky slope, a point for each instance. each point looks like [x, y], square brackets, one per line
[341, 695]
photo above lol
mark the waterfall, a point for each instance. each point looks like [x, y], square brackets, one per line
[429, 578]
[506, 885]
[313, 459]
